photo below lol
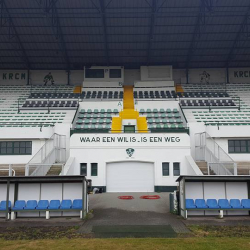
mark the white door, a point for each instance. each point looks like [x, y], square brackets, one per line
[130, 177]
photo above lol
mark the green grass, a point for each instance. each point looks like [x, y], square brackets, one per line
[126, 244]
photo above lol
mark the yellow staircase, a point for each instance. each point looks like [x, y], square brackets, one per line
[128, 98]
[129, 112]
[178, 88]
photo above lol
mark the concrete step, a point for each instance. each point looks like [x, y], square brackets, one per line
[54, 170]
[203, 167]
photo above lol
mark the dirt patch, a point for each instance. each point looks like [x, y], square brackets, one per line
[220, 231]
[25, 233]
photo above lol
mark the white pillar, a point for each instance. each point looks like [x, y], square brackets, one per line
[221, 214]
[47, 215]
[13, 215]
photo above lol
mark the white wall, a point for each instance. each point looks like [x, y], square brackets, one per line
[239, 75]
[59, 76]
[104, 104]
[33, 134]
[216, 75]
[131, 75]
[107, 152]
[20, 77]
[22, 159]
[156, 73]
[223, 142]
[8, 77]
[164, 104]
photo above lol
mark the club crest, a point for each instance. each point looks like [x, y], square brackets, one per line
[130, 151]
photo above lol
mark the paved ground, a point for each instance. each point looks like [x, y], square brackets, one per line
[110, 200]
[130, 216]
[108, 210]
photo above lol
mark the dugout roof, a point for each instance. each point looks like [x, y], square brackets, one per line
[70, 34]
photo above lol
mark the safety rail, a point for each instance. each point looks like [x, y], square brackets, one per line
[42, 169]
[53, 151]
[12, 171]
[206, 149]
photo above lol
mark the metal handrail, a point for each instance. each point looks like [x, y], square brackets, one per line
[6, 169]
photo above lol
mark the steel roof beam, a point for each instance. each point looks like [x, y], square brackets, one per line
[243, 30]
[104, 28]
[205, 7]
[151, 30]
[49, 9]
[6, 21]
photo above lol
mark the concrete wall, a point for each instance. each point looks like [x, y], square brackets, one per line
[151, 150]
[129, 76]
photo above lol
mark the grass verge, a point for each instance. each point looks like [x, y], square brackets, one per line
[125, 244]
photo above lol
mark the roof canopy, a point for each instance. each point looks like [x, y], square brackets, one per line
[63, 34]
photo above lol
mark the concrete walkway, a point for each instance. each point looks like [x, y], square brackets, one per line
[108, 210]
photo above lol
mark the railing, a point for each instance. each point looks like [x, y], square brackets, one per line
[205, 87]
[42, 169]
[183, 117]
[11, 172]
[206, 149]
[53, 151]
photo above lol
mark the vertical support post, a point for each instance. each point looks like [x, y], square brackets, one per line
[221, 214]
[28, 77]
[18, 110]
[27, 170]
[84, 197]
[7, 200]
[187, 76]
[48, 106]
[15, 192]
[184, 198]
[227, 75]
[235, 169]
[10, 169]
[68, 79]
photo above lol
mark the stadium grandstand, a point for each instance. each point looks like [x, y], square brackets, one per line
[135, 96]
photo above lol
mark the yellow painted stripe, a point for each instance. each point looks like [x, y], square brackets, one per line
[78, 89]
[142, 125]
[179, 88]
[116, 125]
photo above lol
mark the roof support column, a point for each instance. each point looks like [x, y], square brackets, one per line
[104, 27]
[151, 31]
[13, 37]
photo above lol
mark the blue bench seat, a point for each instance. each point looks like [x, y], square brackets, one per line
[235, 203]
[222, 204]
[212, 204]
[46, 206]
[19, 205]
[245, 203]
[200, 203]
[3, 205]
[31, 204]
[54, 204]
